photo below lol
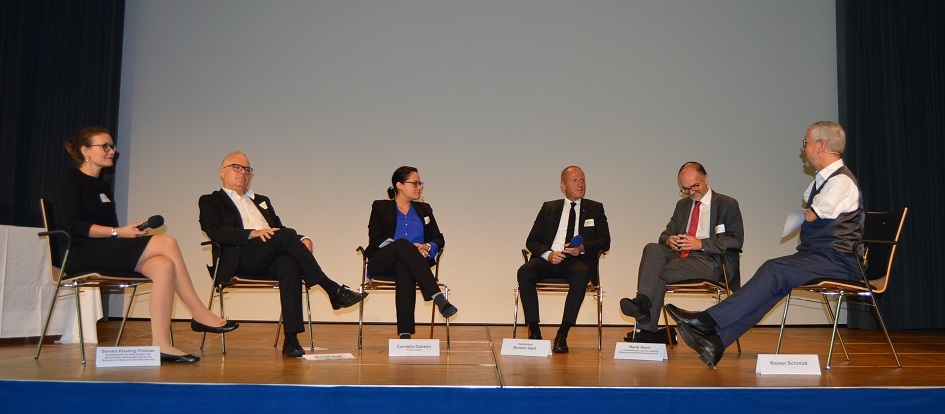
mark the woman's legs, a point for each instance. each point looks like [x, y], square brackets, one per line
[163, 263]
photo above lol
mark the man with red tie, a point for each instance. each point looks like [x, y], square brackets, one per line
[703, 226]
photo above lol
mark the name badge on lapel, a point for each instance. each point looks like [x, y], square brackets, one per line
[589, 223]
[426, 220]
[104, 198]
[720, 229]
[263, 206]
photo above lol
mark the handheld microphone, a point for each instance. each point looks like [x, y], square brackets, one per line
[152, 223]
[577, 241]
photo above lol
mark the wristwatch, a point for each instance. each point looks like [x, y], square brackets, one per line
[114, 232]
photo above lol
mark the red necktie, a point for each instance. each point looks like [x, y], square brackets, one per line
[693, 225]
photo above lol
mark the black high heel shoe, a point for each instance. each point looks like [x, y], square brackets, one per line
[227, 327]
[179, 359]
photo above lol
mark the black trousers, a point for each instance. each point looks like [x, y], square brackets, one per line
[402, 262]
[574, 270]
[284, 258]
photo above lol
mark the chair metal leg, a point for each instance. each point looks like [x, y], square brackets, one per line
[360, 317]
[833, 334]
[432, 320]
[222, 315]
[834, 317]
[515, 312]
[121, 328]
[787, 303]
[78, 314]
[308, 304]
[275, 342]
[213, 292]
[882, 324]
[446, 294]
[42, 336]
[600, 318]
[669, 337]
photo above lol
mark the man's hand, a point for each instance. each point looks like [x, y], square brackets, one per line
[573, 251]
[263, 234]
[687, 242]
[809, 215]
[556, 257]
[673, 242]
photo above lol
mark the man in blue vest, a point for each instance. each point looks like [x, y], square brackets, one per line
[833, 223]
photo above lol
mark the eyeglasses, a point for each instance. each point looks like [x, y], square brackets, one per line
[687, 190]
[416, 184]
[105, 147]
[240, 168]
[804, 143]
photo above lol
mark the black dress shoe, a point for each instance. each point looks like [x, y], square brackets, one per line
[227, 327]
[648, 337]
[691, 318]
[448, 310]
[403, 336]
[560, 346]
[292, 348]
[644, 336]
[179, 359]
[709, 347]
[345, 297]
[532, 335]
[635, 308]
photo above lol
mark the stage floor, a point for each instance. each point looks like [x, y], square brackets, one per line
[474, 360]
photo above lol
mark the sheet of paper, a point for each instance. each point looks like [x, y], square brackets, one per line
[793, 222]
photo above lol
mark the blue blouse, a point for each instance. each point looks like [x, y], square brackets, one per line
[410, 227]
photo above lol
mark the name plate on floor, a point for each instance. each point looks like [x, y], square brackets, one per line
[640, 351]
[526, 347]
[798, 364]
[128, 356]
[413, 347]
[327, 357]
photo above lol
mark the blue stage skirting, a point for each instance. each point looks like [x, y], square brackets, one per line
[96, 397]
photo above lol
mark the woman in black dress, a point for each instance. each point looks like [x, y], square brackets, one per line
[85, 208]
[404, 241]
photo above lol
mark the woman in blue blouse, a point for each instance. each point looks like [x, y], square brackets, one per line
[404, 241]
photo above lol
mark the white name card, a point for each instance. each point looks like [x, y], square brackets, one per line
[526, 347]
[128, 356]
[413, 347]
[327, 357]
[798, 364]
[640, 351]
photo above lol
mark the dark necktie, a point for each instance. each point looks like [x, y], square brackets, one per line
[693, 225]
[571, 219]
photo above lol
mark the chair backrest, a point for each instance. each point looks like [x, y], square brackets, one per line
[881, 239]
[49, 222]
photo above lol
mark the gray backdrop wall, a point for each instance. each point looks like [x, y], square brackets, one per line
[490, 100]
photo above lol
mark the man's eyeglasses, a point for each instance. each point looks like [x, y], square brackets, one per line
[106, 147]
[687, 190]
[416, 184]
[804, 143]
[240, 168]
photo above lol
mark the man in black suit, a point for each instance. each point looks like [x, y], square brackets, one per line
[255, 243]
[703, 226]
[553, 256]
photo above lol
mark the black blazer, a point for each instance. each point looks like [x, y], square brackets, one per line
[383, 222]
[220, 219]
[596, 236]
[724, 210]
